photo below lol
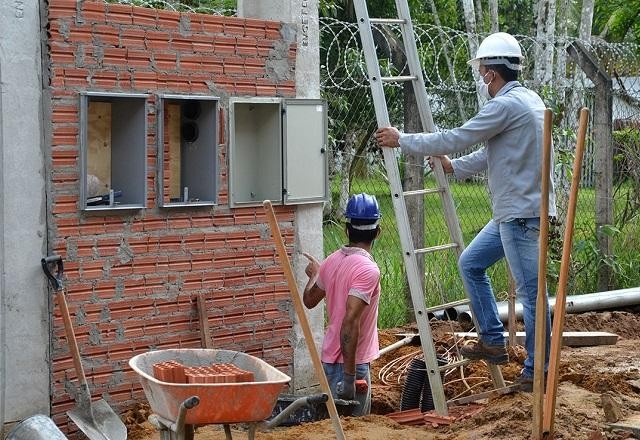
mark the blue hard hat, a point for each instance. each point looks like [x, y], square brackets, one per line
[363, 207]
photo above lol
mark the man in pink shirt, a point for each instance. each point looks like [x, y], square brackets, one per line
[349, 280]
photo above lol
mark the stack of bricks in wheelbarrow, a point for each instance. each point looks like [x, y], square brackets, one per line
[175, 372]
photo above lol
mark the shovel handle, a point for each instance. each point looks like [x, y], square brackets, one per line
[55, 281]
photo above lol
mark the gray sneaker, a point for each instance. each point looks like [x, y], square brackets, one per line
[494, 354]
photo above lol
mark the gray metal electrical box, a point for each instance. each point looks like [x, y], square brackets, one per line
[277, 151]
[187, 138]
[113, 151]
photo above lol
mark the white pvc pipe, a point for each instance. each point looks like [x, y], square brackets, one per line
[575, 303]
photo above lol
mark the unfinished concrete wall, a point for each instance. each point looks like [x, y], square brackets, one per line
[133, 277]
[303, 15]
[24, 331]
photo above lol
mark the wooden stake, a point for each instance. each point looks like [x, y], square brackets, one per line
[541, 301]
[205, 335]
[561, 294]
[302, 317]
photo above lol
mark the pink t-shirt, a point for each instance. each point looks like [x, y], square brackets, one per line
[350, 271]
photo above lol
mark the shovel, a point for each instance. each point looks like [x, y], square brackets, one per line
[96, 419]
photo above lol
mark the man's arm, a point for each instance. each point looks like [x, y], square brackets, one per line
[470, 164]
[350, 332]
[312, 293]
[490, 121]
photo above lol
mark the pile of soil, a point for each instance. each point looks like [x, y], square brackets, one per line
[624, 324]
[586, 373]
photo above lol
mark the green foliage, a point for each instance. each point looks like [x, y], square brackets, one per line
[617, 20]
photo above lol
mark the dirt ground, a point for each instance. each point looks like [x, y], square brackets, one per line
[590, 376]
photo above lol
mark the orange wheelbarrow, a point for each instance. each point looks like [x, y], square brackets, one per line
[178, 407]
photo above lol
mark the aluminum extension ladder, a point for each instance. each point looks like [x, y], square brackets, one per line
[398, 196]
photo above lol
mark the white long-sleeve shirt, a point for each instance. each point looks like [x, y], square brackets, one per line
[511, 126]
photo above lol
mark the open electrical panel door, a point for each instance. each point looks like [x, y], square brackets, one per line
[305, 151]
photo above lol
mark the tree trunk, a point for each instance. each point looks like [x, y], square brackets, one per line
[445, 46]
[545, 32]
[472, 39]
[602, 138]
[563, 183]
[477, 6]
[414, 179]
[347, 158]
[493, 15]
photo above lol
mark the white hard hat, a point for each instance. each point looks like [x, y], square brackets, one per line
[496, 48]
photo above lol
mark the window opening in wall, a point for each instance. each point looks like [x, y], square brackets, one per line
[187, 143]
[113, 151]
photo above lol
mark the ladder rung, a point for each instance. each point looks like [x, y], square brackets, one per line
[453, 365]
[485, 395]
[417, 192]
[442, 247]
[387, 20]
[398, 78]
[461, 302]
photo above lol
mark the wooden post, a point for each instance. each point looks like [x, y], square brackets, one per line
[205, 334]
[541, 302]
[603, 168]
[561, 294]
[302, 317]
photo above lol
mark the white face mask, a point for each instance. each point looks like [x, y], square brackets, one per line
[483, 88]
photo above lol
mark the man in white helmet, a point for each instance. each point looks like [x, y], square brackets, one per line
[510, 126]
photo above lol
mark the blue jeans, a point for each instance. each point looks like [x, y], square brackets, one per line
[334, 374]
[517, 240]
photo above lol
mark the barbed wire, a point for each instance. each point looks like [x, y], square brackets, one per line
[178, 6]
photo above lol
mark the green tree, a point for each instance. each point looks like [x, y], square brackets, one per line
[617, 20]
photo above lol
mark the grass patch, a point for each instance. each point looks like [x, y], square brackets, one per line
[442, 280]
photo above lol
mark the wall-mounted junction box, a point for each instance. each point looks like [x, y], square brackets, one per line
[277, 151]
[187, 150]
[113, 147]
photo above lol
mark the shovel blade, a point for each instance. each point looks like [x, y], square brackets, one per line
[99, 422]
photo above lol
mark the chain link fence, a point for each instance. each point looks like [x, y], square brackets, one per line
[356, 162]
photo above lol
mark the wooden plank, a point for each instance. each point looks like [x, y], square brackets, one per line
[173, 123]
[205, 334]
[302, 317]
[631, 424]
[569, 339]
[99, 148]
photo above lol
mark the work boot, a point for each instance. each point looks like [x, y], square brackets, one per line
[494, 354]
[525, 383]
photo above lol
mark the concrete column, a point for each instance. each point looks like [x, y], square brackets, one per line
[304, 15]
[24, 313]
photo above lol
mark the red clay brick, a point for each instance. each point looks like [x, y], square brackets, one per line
[145, 17]
[93, 11]
[61, 8]
[118, 13]
[169, 20]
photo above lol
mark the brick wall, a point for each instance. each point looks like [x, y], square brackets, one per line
[132, 278]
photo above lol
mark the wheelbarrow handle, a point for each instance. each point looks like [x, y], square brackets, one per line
[56, 281]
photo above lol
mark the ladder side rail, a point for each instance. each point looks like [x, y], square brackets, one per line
[420, 92]
[424, 106]
[393, 174]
